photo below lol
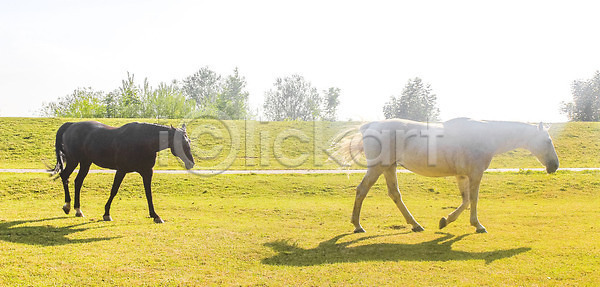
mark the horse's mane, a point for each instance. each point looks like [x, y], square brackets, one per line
[151, 125]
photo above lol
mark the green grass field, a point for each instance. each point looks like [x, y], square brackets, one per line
[281, 230]
[29, 142]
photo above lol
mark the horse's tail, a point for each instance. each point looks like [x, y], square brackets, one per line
[60, 152]
[349, 148]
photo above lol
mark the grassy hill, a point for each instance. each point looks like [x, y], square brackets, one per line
[29, 142]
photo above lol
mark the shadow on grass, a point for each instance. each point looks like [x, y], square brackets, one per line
[330, 251]
[43, 235]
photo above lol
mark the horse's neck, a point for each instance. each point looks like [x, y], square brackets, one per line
[507, 136]
[163, 134]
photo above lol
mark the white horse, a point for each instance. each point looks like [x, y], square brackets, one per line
[460, 147]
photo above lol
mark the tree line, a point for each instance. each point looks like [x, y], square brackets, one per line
[206, 93]
[417, 102]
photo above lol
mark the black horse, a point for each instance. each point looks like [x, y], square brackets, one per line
[130, 148]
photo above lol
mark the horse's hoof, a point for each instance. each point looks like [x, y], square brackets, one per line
[443, 222]
[359, 230]
[158, 220]
[418, 228]
[66, 208]
[482, 230]
[79, 213]
[107, 218]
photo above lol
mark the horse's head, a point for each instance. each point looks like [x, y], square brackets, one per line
[542, 147]
[181, 146]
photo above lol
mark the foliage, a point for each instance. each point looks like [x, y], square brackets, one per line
[83, 102]
[166, 101]
[330, 104]
[202, 93]
[203, 87]
[417, 103]
[586, 100]
[130, 100]
[291, 230]
[135, 101]
[232, 101]
[294, 98]
[217, 96]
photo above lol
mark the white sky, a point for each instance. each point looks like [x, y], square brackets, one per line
[507, 60]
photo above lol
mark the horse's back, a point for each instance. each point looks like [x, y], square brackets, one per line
[82, 137]
[395, 125]
[465, 127]
[448, 139]
[79, 131]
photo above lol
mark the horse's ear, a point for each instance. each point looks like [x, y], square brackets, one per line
[172, 127]
[541, 126]
[183, 127]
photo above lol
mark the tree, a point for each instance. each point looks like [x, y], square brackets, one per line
[294, 98]
[132, 101]
[586, 100]
[232, 101]
[203, 87]
[166, 101]
[128, 101]
[218, 96]
[417, 103]
[129, 98]
[203, 92]
[111, 104]
[82, 103]
[331, 103]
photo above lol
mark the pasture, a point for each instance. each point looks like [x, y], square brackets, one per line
[281, 230]
[27, 142]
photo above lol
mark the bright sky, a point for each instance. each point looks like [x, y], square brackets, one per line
[500, 60]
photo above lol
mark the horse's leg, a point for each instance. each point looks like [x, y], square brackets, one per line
[392, 184]
[463, 186]
[474, 182]
[64, 176]
[147, 177]
[83, 171]
[113, 192]
[370, 178]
